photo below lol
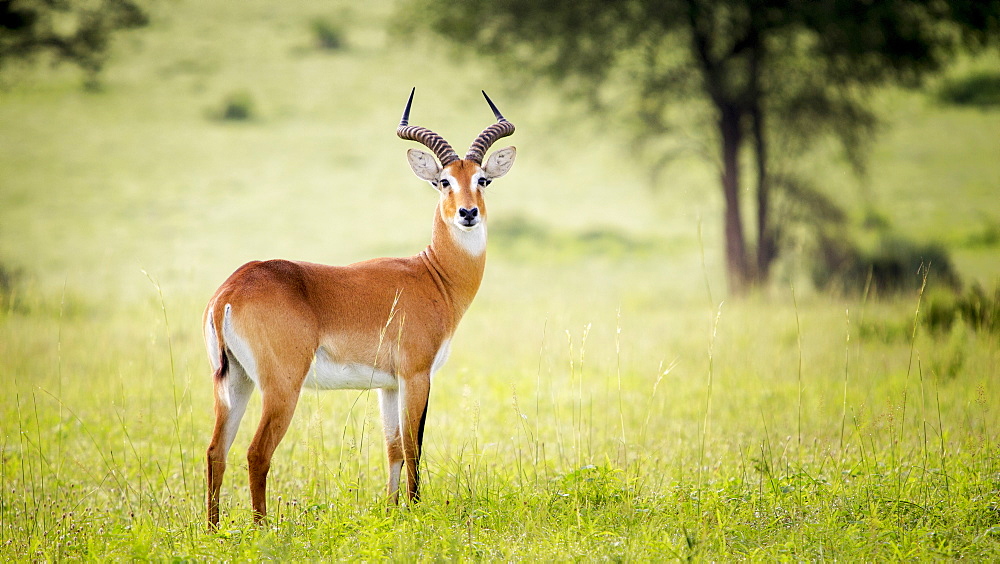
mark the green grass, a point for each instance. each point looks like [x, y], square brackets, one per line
[545, 443]
[604, 400]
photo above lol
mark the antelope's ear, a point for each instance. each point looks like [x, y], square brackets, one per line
[424, 165]
[499, 162]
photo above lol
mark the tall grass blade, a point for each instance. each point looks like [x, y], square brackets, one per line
[173, 381]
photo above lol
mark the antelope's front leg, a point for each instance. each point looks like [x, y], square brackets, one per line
[413, 394]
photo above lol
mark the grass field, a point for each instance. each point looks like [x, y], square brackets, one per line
[604, 398]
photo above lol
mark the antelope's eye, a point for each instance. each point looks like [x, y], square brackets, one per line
[484, 182]
[445, 183]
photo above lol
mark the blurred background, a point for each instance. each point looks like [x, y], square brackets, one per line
[663, 146]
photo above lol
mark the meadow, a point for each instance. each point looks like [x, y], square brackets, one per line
[604, 400]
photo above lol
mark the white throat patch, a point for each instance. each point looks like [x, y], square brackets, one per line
[473, 241]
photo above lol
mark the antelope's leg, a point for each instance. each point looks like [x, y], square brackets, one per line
[232, 392]
[414, 392]
[278, 407]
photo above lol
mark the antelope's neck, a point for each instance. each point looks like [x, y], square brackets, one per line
[457, 260]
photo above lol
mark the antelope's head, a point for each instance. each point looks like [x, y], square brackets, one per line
[461, 182]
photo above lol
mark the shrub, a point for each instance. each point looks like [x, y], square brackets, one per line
[9, 279]
[977, 308]
[988, 235]
[981, 89]
[238, 106]
[328, 36]
[895, 265]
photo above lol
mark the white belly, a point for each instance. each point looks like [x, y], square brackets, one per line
[327, 374]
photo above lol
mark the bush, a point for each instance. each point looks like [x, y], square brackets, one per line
[238, 106]
[9, 279]
[988, 235]
[329, 36]
[980, 89]
[976, 308]
[895, 265]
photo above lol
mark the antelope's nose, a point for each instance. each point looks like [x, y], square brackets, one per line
[467, 214]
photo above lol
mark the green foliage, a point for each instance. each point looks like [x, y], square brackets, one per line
[593, 487]
[802, 211]
[976, 308]
[75, 32]
[895, 265]
[777, 78]
[328, 36]
[886, 331]
[9, 281]
[237, 106]
[988, 235]
[875, 220]
[981, 90]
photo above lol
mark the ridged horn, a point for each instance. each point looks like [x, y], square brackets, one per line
[425, 136]
[502, 128]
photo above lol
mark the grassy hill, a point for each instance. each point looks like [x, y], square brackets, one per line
[600, 401]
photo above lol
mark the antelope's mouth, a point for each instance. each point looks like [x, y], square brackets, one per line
[467, 224]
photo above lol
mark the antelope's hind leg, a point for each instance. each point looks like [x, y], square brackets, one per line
[232, 392]
[280, 388]
[389, 405]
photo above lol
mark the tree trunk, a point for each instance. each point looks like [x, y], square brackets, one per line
[766, 250]
[766, 247]
[736, 258]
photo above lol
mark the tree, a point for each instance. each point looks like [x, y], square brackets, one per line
[71, 31]
[771, 74]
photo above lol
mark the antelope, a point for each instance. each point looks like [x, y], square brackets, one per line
[384, 323]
